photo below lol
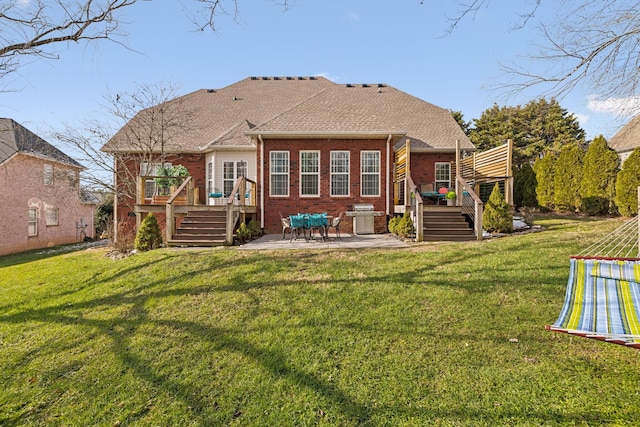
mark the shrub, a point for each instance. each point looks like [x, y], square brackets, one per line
[599, 170]
[243, 233]
[497, 216]
[404, 227]
[148, 236]
[393, 224]
[627, 184]
[255, 230]
[594, 205]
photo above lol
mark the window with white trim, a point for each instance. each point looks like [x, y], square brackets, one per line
[51, 216]
[48, 174]
[231, 171]
[309, 173]
[32, 221]
[339, 169]
[210, 177]
[370, 173]
[279, 173]
[443, 175]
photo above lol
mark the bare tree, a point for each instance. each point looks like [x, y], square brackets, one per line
[135, 129]
[591, 42]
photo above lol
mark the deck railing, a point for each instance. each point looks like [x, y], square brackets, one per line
[417, 209]
[243, 194]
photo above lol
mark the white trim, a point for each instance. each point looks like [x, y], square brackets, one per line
[362, 152]
[287, 173]
[316, 174]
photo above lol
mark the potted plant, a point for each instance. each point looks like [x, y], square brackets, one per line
[451, 198]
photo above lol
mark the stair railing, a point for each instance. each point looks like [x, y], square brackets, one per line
[170, 220]
[244, 190]
[417, 209]
[471, 205]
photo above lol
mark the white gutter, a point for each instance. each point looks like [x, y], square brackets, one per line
[260, 180]
[388, 173]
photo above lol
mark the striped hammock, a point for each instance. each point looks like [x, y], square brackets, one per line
[602, 300]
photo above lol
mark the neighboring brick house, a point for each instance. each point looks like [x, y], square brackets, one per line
[310, 145]
[40, 196]
[626, 139]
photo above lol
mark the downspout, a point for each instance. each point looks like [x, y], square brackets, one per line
[260, 180]
[388, 174]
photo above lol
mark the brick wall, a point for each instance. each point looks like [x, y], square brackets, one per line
[333, 205]
[22, 184]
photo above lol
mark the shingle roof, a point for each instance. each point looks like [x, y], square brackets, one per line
[304, 105]
[627, 138]
[16, 138]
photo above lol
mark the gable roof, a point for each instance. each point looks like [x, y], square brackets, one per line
[15, 138]
[301, 106]
[627, 138]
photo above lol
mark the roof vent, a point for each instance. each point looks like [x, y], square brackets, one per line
[381, 85]
[289, 78]
[301, 78]
[254, 78]
[313, 78]
[276, 78]
[265, 78]
[211, 91]
[349, 85]
[365, 85]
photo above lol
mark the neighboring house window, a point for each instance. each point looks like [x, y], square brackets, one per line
[48, 174]
[443, 175]
[339, 173]
[309, 173]
[151, 169]
[279, 173]
[370, 173]
[73, 179]
[230, 172]
[51, 216]
[33, 221]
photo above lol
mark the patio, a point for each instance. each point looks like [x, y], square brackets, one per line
[346, 241]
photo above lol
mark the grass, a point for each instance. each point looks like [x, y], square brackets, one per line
[438, 334]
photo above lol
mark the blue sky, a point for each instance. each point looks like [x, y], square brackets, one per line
[401, 43]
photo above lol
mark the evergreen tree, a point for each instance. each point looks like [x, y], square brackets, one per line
[524, 186]
[627, 184]
[540, 126]
[544, 169]
[497, 216]
[466, 126]
[148, 236]
[568, 178]
[599, 170]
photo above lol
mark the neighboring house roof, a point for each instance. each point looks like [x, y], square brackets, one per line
[299, 107]
[15, 138]
[627, 138]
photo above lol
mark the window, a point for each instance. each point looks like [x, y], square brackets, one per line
[279, 173]
[309, 173]
[151, 169]
[210, 177]
[370, 173]
[51, 216]
[339, 173]
[443, 175]
[230, 172]
[48, 174]
[73, 179]
[32, 221]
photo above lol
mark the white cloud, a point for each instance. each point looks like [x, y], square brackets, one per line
[619, 106]
[354, 17]
[583, 118]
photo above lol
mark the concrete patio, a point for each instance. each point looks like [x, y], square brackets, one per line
[346, 241]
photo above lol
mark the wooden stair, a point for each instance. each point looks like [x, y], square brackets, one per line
[446, 223]
[201, 228]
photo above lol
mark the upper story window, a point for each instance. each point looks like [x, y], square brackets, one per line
[279, 173]
[309, 173]
[370, 173]
[443, 175]
[339, 173]
[48, 174]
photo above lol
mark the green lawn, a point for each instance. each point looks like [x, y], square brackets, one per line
[437, 334]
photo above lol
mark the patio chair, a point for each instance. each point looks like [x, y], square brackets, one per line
[286, 224]
[299, 223]
[335, 224]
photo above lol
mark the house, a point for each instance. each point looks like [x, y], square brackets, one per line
[626, 139]
[40, 198]
[298, 144]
